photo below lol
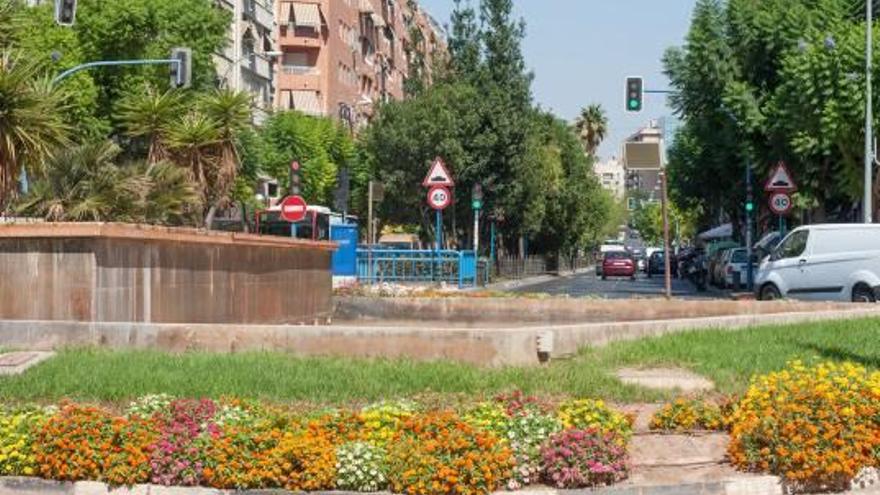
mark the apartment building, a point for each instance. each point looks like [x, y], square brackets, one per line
[340, 57]
[247, 62]
[612, 176]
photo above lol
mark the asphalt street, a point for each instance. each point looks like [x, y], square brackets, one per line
[588, 284]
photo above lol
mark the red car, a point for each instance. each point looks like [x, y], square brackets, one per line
[618, 264]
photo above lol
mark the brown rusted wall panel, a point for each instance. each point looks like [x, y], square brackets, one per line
[162, 279]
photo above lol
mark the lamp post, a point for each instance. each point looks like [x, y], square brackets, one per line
[869, 117]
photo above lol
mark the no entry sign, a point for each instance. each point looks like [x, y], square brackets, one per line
[439, 198]
[293, 209]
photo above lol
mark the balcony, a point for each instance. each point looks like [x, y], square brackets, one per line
[259, 13]
[299, 37]
[300, 70]
[295, 80]
[258, 64]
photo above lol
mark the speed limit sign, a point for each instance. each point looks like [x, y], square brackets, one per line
[439, 197]
[780, 203]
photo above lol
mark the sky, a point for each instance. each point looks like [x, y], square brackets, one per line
[581, 52]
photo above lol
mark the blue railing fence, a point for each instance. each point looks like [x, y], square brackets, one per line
[421, 266]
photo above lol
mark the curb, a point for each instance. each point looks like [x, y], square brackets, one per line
[762, 485]
[508, 285]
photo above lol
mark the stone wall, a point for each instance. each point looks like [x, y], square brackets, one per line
[124, 273]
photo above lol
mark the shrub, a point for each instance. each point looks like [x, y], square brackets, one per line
[360, 467]
[578, 459]
[587, 414]
[304, 461]
[241, 458]
[187, 429]
[524, 428]
[439, 453]
[687, 415]
[17, 429]
[817, 427]
[382, 420]
[88, 443]
[149, 405]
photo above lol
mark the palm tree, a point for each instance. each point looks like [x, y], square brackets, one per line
[193, 141]
[8, 21]
[31, 123]
[146, 114]
[231, 111]
[85, 184]
[592, 127]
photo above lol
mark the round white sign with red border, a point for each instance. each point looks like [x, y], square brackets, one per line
[439, 197]
[780, 203]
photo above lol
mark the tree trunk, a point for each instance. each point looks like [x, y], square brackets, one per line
[209, 218]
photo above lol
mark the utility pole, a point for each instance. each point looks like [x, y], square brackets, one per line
[750, 206]
[869, 117]
[370, 231]
[667, 268]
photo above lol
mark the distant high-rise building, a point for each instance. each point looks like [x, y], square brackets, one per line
[340, 57]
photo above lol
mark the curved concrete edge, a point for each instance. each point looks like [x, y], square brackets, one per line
[762, 485]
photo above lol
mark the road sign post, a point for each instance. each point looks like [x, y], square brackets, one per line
[780, 185]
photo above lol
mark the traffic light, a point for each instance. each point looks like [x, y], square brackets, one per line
[181, 70]
[477, 197]
[750, 206]
[635, 92]
[65, 12]
[295, 179]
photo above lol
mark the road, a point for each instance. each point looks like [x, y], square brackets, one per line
[588, 284]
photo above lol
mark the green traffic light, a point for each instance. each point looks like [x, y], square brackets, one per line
[750, 207]
[633, 104]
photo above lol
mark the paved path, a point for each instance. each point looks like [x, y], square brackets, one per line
[588, 284]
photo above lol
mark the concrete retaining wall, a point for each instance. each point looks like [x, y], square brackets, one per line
[91, 272]
[478, 346]
[520, 311]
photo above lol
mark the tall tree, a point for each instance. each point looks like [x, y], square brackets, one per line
[592, 126]
[31, 126]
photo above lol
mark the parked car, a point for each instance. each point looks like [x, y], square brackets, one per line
[648, 253]
[735, 266]
[618, 264]
[657, 264]
[824, 262]
[716, 259]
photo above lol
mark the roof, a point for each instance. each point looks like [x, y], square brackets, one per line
[842, 226]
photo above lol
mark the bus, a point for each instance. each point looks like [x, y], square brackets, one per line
[314, 227]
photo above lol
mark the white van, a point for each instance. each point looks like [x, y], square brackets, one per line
[824, 262]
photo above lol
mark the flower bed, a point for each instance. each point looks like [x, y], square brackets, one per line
[686, 415]
[818, 427]
[506, 443]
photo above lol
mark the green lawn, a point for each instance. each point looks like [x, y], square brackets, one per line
[729, 358]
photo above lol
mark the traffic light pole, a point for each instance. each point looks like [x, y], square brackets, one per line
[113, 63]
[750, 270]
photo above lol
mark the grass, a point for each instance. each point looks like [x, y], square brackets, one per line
[728, 358]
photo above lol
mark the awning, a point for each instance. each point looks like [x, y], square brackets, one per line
[307, 102]
[286, 8]
[378, 21]
[307, 15]
[722, 232]
[366, 6]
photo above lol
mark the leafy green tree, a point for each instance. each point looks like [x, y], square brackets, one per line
[592, 127]
[31, 124]
[145, 115]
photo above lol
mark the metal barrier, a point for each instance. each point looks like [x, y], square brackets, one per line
[393, 265]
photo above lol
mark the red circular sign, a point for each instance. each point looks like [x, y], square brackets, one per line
[293, 209]
[294, 165]
[439, 197]
[780, 203]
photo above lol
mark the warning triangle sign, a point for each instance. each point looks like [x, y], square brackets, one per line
[438, 175]
[780, 180]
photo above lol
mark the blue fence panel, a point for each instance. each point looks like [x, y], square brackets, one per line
[405, 266]
[344, 261]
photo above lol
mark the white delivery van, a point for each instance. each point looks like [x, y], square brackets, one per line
[823, 262]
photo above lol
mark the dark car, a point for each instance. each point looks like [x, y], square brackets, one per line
[618, 264]
[657, 265]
